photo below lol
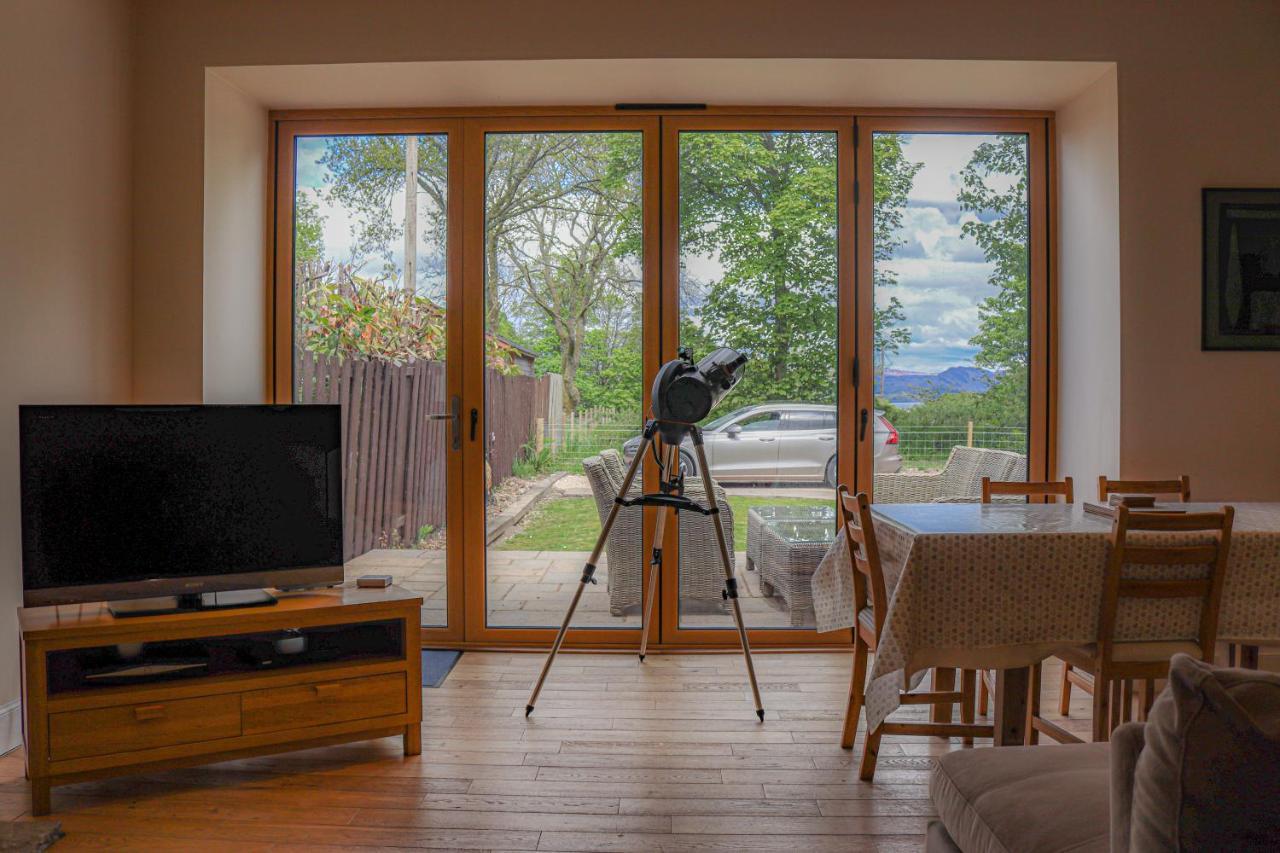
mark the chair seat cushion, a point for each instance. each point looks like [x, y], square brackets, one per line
[1031, 799]
[1138, 652]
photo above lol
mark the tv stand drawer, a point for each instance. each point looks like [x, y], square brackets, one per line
[322, 702]
[128, 728]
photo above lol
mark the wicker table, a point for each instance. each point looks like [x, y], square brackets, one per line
[790, 551]
[759, 516]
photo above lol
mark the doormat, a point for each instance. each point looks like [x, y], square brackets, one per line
[436, 665]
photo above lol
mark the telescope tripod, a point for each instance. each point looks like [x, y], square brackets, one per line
[670, 500]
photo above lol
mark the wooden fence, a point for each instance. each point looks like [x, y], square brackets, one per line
[394, 453]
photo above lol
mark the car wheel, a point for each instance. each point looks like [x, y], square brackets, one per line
[830, 480]
[690, 467]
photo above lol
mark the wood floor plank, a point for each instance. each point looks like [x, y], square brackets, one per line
[665, 755]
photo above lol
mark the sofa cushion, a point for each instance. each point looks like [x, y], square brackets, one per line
[1208, 776]
[1030, 799]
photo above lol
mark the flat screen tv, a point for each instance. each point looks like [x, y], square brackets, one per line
[189, 502]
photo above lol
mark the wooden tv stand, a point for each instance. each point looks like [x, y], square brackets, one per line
[359, 677]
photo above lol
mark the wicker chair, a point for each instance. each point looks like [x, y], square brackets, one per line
[701, 575]
[959, 481]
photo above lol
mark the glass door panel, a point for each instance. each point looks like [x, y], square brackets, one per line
[759, 270]
[564, 373]
[951, 349]
[370, 331]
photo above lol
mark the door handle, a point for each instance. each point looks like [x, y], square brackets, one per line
[454, 414]
[768, 439]
[826, 438]
[862, 425]
[327, 691]
[475, 419]
[148, 712]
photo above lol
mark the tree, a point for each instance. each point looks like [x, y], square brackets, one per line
[563, 258]
[308, 230]
[893, 177]
[1001, 228]
[763, 205]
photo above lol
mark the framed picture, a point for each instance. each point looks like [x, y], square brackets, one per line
[1241, 269]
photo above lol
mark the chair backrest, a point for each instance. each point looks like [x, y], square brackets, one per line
[1180, 487]
[864, 555]
[614, 466]
[602, 488]
[1211, 551]
[1061, 487]
[960, 472]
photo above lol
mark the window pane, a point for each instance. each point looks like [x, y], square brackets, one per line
[758, 272]
[563, 380]
[952, 338]
[369, 332]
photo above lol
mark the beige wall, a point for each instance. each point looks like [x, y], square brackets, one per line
[234, 303]
[1089, 286]
[65, 185]
[1198, 104]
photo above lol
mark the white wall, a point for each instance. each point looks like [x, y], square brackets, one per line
[1089, 368]
[236, 153]
[65, 231]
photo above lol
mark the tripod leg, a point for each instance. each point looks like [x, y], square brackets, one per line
[730, 577]
[589, 570]
[670, 459]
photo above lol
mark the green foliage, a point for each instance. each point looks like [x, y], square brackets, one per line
[764, 205]
[370, 319]
[893, 177]
[308, 230]
[531, 462]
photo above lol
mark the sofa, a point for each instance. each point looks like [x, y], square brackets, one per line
[960, 480]
[1203, 773]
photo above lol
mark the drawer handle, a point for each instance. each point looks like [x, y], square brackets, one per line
[149, 712]
[327, 690]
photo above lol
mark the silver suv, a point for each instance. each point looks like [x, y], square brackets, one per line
[780, 443]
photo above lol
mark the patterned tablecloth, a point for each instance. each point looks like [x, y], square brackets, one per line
[1000, 586]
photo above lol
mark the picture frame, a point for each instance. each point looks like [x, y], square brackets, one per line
[1241, 269]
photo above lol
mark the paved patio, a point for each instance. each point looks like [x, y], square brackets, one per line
[533, 589]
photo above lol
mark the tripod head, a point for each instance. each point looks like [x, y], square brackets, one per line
[685, 392]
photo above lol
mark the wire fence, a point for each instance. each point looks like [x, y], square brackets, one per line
[929, 447]
[565, 446]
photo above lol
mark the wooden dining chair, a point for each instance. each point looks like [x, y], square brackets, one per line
[1065, 489]
[1180, 487]
[1116, 664]
[870, 602]
[1155, 488]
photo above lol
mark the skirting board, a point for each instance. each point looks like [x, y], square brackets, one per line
[10, 726]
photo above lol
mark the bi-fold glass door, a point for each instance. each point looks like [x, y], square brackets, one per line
[367, 300]
[489, 300]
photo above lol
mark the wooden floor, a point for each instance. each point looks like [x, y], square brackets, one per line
[665, 755]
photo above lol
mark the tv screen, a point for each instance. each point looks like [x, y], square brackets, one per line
[136, 501]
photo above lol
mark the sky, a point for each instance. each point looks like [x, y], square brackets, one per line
[942, 276]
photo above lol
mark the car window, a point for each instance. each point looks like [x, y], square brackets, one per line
[759, 422]
[802, 420]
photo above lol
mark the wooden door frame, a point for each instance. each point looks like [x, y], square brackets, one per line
[842, 127]
[1042, 292]
[475, 130]
[465, 301]
[280, 306]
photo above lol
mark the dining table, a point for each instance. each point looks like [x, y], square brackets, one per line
[1004, 585]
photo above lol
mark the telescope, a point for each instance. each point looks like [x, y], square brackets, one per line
[684, 392]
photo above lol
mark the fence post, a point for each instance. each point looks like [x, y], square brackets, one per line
[539, 437]
[970, 430]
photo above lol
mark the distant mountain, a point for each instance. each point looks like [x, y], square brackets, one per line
[904, 386]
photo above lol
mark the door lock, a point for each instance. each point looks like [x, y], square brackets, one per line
[862, 425]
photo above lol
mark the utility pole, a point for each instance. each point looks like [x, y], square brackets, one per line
[411, 214]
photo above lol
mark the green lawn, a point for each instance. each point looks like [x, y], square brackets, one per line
[571, 524]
